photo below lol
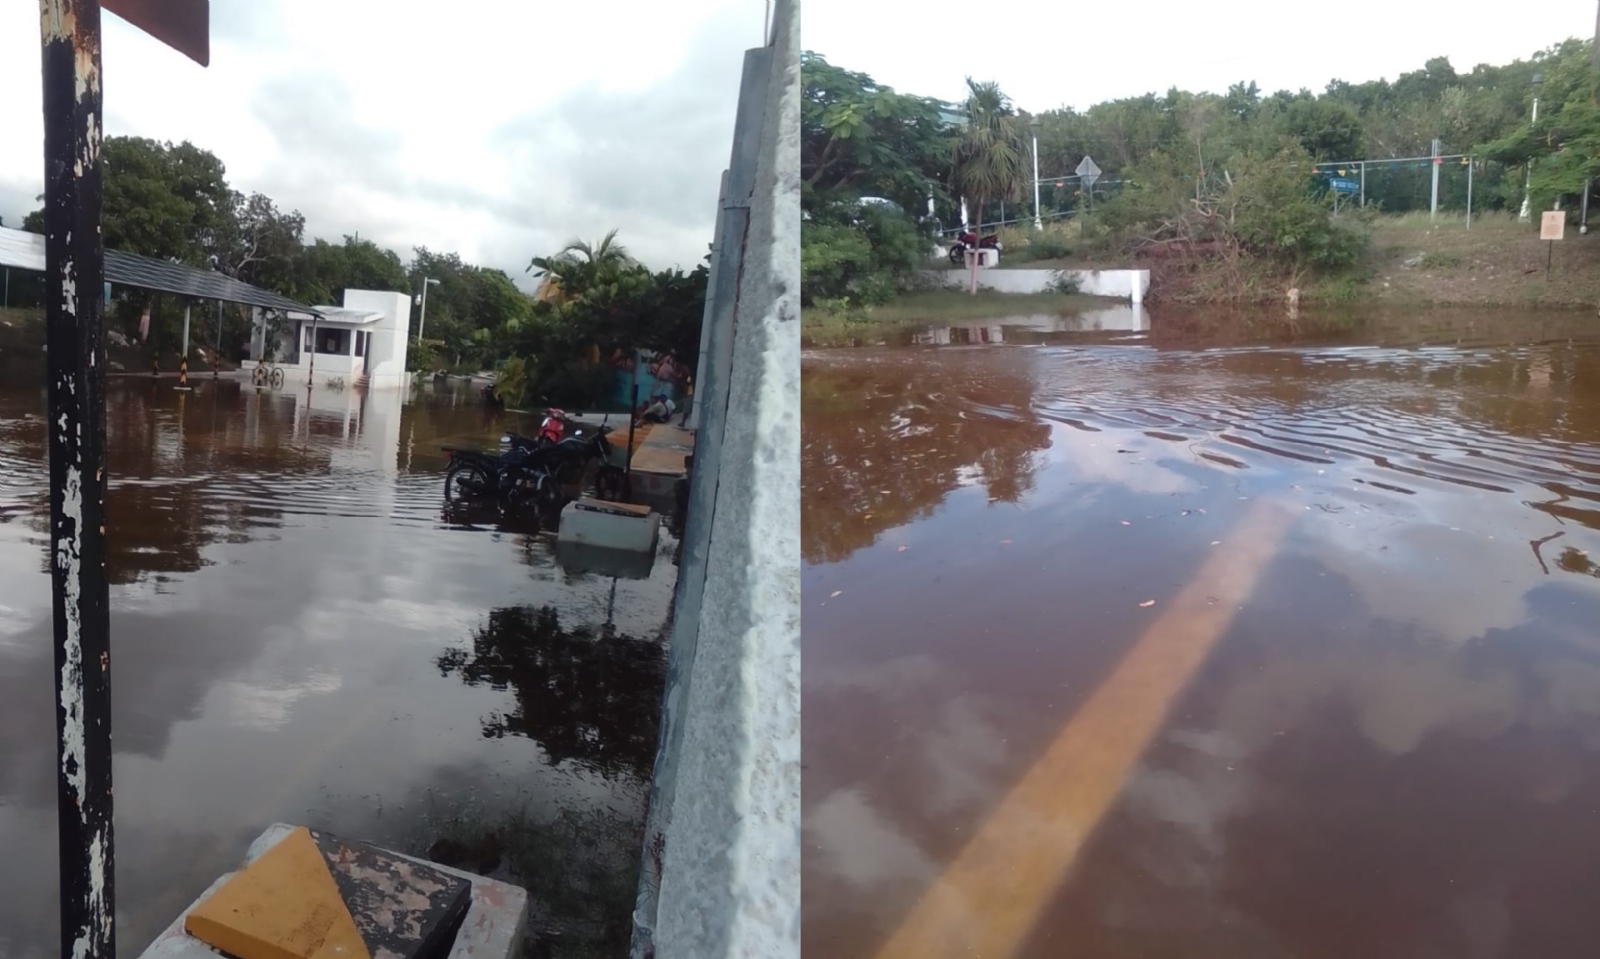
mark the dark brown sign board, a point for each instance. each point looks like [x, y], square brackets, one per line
[183, 25]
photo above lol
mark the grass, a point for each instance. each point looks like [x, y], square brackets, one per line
[924, 308]
[1498, 261]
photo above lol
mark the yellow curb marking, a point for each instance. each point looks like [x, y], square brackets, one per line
[989, 898]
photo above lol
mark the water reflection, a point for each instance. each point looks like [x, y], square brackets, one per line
[1043, 328]
[590, 697]
[887, 438]
[1390, 751]
[282, 583]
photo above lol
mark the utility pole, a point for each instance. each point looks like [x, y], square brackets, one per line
[1433, 198]
[1527, 182]
[422, 320]
[1594, 50]
[1033, 127]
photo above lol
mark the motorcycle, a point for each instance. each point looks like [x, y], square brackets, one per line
[558, 461]
[554, 426]
[477, 474]
[532, 469]
[967, 240]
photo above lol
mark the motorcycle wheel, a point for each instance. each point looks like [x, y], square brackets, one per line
[956, 256]
[611, 484]
[466, 481]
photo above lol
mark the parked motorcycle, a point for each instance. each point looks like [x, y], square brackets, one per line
[554, 426]
[568, 459]
[534, 469]
[968, 240]
[510, 473]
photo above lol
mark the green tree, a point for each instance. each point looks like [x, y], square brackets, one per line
[580, 266]
[858, 138]
[862, 254]
[325, 270]
[162, 200]
[255, 242]
[990, 157]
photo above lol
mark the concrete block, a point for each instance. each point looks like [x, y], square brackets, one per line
[618, 526]
[285, 905]
[620, 563]
[494, 926]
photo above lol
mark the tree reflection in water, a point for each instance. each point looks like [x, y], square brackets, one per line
[888, 437]
[589, 697]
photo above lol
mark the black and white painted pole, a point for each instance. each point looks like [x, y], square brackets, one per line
[74, 275]
[217, 357]
[183, 358]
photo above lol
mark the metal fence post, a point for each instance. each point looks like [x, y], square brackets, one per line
[75, 363]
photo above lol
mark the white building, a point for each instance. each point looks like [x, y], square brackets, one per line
[362, 342]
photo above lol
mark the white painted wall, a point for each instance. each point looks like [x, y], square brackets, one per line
[1125, 284]
[386, 356]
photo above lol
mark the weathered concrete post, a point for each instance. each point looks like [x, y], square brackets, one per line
[74, 279]
[721, 876]
[693, 420]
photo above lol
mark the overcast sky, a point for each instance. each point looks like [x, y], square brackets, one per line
[1050, 54]
[498, 129]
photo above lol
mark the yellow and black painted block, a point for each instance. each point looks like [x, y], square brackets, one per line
[315, 896]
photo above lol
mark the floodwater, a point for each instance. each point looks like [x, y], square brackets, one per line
[1172, 638]
[299, 634]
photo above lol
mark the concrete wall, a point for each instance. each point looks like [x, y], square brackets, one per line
[1126, 284]
[386, 355]
[721, 877]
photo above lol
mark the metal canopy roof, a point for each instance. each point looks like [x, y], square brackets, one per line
[340, 315]
[26, 251]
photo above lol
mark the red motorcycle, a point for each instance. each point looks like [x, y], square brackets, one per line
[554, 426]
[967, 240]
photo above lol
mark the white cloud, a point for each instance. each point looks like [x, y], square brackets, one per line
[497, 130]
[1077, 56]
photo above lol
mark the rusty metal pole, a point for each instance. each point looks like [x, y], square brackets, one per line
[76, 364]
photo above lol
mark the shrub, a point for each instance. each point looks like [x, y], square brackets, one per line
[1062, 281]
[867, 253]
[511, 381]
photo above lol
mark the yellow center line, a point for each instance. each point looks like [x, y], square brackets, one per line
[989, 898]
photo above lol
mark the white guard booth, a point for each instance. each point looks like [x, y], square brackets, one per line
[362, 343]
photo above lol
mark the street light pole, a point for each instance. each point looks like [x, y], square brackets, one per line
[423, 319]
[1033, 126]
[1527, 181]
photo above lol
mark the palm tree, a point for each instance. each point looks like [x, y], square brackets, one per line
[579, 265]
[990, 159]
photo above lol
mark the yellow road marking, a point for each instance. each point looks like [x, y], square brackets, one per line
[989, 898]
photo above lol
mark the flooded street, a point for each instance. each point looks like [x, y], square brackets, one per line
[1168, 638]
[300, 635]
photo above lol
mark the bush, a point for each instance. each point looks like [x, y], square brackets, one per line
[1025, 245]
[1049, 247]
[422, 357]
[866, 253]
[1061, 281]
[1259, 206]
[511, 381]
